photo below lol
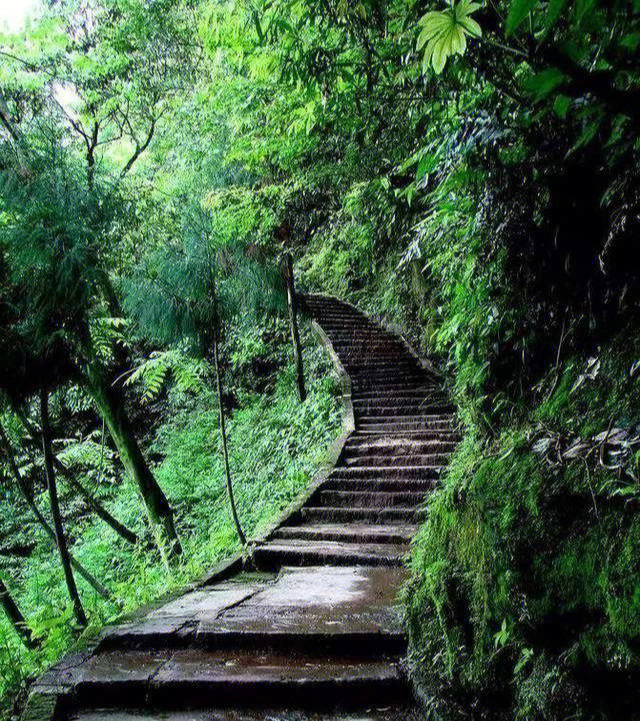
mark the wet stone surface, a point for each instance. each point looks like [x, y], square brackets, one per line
[383, 714]
[324, 599]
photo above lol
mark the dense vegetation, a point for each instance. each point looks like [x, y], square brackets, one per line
[469, 170]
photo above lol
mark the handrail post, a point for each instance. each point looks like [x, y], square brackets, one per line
[293, 322]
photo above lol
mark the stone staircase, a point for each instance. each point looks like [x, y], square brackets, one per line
[309, 630]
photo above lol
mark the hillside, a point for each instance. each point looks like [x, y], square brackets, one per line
[465, 172]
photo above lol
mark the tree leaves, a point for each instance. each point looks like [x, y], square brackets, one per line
[518, 12]
[544, 83]
[554, 11]
[444, 33]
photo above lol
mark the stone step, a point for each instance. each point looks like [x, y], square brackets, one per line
[367, 347]
[324, 318]
[191, 677]
[350, 532]
[367, 386]
[410, 391]
[390, 372]
[364, 340]
[282, 713]
[409, 459]
[410, 397]
[374, 361]
[364, 352]
[370, 515]
[443, 418]
[397, 447]
[388, 386]
[379, 484]
[391, 426]
[354, 333]
[301, 552]
[403, 407]
[446, 435]
[399, 365]
[369, 499]
[388, 472]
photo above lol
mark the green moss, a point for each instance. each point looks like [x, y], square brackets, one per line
[526, 583]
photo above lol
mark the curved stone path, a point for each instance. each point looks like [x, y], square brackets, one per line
[311, 632]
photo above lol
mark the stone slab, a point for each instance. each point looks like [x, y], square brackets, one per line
[384, 714]
[182, 615]
[319, 600]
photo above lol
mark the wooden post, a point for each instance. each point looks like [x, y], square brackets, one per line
[293, 322]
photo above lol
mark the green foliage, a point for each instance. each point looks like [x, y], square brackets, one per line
[477, 188]
[510, 578]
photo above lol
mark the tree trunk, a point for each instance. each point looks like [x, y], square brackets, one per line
[26, 493]
[15, 617]
[97, 507]
[223, 436]
[293, 322]
[111, 408]
[55, 510]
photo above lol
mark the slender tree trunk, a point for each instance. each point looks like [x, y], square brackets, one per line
[111, 408]
[55, 510]
[293, 322]
[223, 436]
[15, 617]
[28, 497]
[97, 507]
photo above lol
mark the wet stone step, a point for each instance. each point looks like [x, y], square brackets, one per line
[423, 455]
[401, 408]
[377, 347]
[411, 399]
[368, 392]
[421, 459]
[350, 532]
[423, 392]
[392, 426]
[379, 484]
[400, 366]
[442, 418]
[398, 446]
[370, 499]
[386, 471]
[246, 679]
[365, 387]
[388, 713]
[371, 515]
[281, 552]
[444, 435]
[301, 609]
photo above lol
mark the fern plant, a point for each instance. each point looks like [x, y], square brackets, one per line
[188, 372]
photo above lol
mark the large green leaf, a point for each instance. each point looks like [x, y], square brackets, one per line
[545, 82]
[444, 33]
[518, 12]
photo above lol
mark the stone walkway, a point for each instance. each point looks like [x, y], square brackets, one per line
[311, 632]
